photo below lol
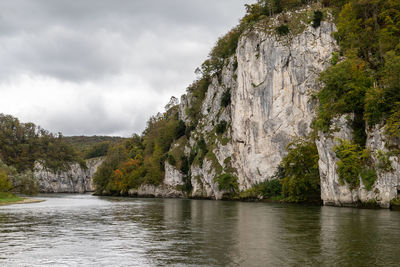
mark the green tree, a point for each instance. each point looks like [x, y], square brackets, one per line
[301, 180]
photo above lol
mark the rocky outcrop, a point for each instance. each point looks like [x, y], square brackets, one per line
[161, 191]
[270, 79]
[271, 104]
[76, 179]
[335, 193]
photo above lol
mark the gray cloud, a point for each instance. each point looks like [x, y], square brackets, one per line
[103, 66]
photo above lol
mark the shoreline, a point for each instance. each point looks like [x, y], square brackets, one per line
[23, 201]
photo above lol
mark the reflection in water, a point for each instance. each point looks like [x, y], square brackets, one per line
[83, 230]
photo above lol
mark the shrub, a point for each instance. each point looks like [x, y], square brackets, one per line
[283, 29]
[226, 98]
[5, 184]
[171, 160]
[221, 127]
[98, 150]
[368, 176]
[227, 182]
[317, 19]
[384, 163]
[185, 165]
[335, 58]
[301, 180]
[349, 164]
[180, 129]
[266, 189]
[393, 123]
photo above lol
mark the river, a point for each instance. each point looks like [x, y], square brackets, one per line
[84, 230]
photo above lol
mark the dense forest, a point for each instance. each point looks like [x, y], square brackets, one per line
[23, 144]
[363, 80]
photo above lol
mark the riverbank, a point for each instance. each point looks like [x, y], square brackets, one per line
[9, 199]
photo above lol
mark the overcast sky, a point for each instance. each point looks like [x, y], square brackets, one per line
[103, 67]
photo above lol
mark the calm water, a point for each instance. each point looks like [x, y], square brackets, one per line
[83, 230]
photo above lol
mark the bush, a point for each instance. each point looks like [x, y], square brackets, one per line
[317, 19]
[171, 160]
[227, 182]
[185, 165]
[301, 180]
[5, 184]
[384, 163]
[98, 150]
[180, 129]
[283, 29]
[226, 98]
[266, 189]
[368, 176]
[221, 127]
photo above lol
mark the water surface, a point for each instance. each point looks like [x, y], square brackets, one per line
[84, 230]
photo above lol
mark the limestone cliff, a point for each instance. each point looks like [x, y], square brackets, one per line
[76, 179]
[270, 79]
[333, 192]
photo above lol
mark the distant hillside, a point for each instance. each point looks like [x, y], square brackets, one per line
[92, 146]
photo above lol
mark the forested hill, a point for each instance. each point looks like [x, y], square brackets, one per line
[92, 146]
[21, 144]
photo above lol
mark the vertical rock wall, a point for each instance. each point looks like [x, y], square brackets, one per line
[74, 180]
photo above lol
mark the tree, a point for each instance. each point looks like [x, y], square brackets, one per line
[301, 180]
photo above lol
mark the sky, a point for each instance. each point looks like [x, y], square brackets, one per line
[103, 67]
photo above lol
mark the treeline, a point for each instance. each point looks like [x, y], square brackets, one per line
[92, 146]
[21, 144]
[140, 159]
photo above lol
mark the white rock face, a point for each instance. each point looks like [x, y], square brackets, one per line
[271, 103]
[75, 180]
[173, 177]
[162, 191]
[270, 79]
[333, 193]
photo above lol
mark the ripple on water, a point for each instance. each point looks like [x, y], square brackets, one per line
[83, 230]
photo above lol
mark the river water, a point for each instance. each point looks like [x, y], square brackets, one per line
[84, 230]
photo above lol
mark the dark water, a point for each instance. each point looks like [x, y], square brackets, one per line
[82, 230]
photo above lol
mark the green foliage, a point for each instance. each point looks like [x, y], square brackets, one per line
[395, 201]
[367, 84]
[301, 180]
[266, 189]
[5, 184]
[198, 92]
[221, 127]
[180, 129]
[141, 159]
[103, 178]
[83, 144]
[226, 98]
[345, 86]
[393, 123]
[335, 58]
[318, 15]
[384, 163]
[21, 144]
[283, 29]
[18, 182]
[349, 164]
[171, 160]
[354, 162]
[98, 150]
[227, 182]
[368, 176]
